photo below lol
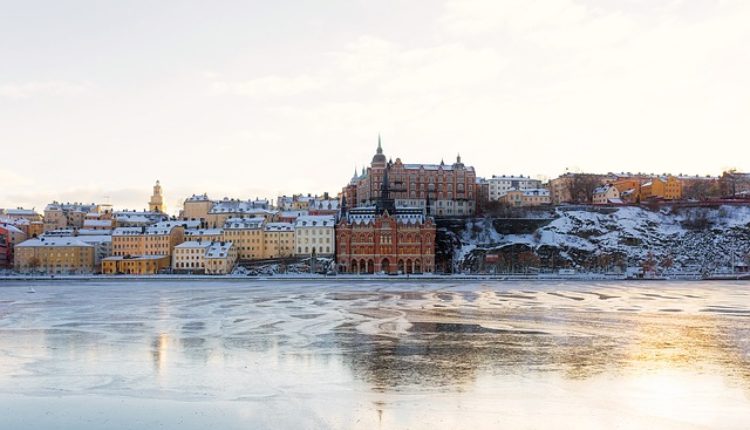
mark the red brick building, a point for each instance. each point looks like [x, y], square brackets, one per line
[451, 188]
[384, 238]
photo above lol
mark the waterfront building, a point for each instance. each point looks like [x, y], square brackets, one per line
[54, 255]
[247, 235]
[221, 257]
[10, 236]
[190, 256]
[196, 207]
[157, 239]
[385, 238]
[278, 240]
[315, 235]
[135, 265]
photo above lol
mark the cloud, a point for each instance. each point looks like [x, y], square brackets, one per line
[23, 90]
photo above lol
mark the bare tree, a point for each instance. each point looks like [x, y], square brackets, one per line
[581, 188]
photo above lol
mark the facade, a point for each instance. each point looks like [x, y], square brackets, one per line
[247, 235]
[196, 207]
[205, 234]
[54, 255]
[385, 238]
[221, 257]
[606, 194]
[733, 184]
[20, 213]
[525, 198]
[134, 265]
[157, 239]
[501, 184]
[156, 203]
[10, 236]
[190, 256]
[667, 188]
[315, 235]
[278, 240]
[449, 188]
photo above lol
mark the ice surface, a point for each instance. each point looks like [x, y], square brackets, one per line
[239, 354]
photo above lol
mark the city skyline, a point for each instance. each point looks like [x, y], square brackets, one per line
[246, 100]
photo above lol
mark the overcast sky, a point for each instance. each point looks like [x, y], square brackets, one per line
[257, 98]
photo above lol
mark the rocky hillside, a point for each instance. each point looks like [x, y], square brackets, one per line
[688, 239]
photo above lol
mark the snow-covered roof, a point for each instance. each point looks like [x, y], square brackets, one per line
[329, 204]
[315, 221]
[204, 232]
[218, 249]
[198, 198]
[53, 242]
[543, 192]
[240, 206]
[10, 227]
[92, 232]
[244, 223]
[97, 223]
[194, 244]
[279, 226]
[293, 214]
[95, 239]
[134, 257]
[71, 207]
[434, 167]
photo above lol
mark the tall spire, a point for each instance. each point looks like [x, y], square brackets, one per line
[380, 147]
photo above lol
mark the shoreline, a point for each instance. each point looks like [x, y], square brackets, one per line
[356, 278]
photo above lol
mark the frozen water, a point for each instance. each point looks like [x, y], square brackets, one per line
[236, 354]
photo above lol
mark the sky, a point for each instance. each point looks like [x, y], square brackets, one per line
[99, 99]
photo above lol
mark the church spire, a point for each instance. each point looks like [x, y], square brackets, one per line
[380, 147]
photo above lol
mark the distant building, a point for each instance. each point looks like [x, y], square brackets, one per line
[667, 188]
[247, 234]
[61, 215]
[525, 198]
[606, 194]
[225, 209]
[197, 207]
[734, 184]
[278, 240]
[137, 219]
[156, 203]
[10, 236]
[448, 187]
[55, 255]
[157, 239]
[499, 185]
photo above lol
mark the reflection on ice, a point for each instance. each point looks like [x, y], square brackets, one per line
[397, 355]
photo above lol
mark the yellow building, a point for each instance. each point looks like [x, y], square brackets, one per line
[62, 215]
[278, 240]
[205, 234]
[196, 207]
[54, 255]
[667, 188]
[606, 194]
[156, 203]
[158, 239]
[134, 265]
[221, 258]
[533, 197]
[247, 235]
[223, 210]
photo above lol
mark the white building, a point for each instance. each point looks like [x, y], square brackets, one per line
[606, 194]
[500, 185]
[315, 234]
[190, 256]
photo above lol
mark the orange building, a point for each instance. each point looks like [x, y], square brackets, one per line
[667, 188]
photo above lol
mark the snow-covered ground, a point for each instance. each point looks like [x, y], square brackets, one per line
[700, 239]
[374, 354]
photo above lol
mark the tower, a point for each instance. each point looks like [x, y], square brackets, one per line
[156, 204]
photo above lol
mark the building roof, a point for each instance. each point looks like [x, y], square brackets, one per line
[244, 223]
[53, 242]
[279, 226]
[134, 257]
[218, 249]
[314, 221]
[204, 232]
[193, 244]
